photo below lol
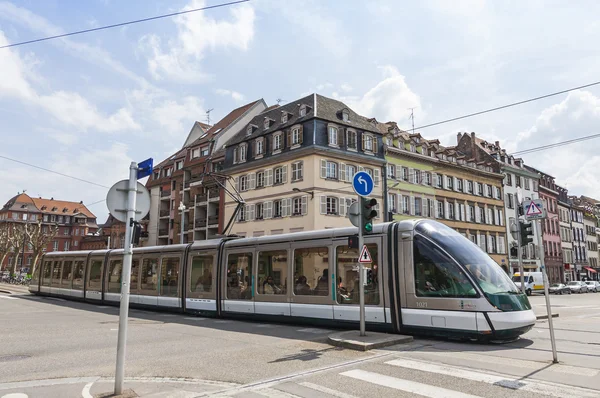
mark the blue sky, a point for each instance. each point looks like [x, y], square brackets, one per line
[87, 105]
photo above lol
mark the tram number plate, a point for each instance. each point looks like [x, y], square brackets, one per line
[422, 304]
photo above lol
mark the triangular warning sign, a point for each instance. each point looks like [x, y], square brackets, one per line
[365, 256]
[534, 209]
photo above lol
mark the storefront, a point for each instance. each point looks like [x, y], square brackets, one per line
[588, 273]
[569, 273]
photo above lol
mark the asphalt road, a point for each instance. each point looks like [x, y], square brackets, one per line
[58, 348]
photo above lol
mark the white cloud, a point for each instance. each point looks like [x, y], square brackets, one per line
[238, 97]
[389, 100]
[346, 87]
[198, 33]
[323, 86]
[575, 166]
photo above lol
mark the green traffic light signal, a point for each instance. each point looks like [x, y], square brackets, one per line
[368, 214]
[526, 233]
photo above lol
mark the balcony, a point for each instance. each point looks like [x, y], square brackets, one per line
[201, 199]
[165, 213]
[186, 184]
[212, 220]
[163, 232]
[164, 194]
[200, 222]
[214, 194]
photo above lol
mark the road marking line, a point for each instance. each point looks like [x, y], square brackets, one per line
[195, 319]
[46, 382]
[313, 330]
[325, 390]
[102, 306]
[8, 297]
[85, 393]
[264, 325]
[223, 321]
[551, 389]
[414, 387]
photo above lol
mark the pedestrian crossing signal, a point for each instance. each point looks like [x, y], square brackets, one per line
[368, 214]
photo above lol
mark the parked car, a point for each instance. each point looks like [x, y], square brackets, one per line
[593, 286]
[559, 288]
[578, 287]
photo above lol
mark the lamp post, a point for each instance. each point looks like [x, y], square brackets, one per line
[312, 193]
[182, 210]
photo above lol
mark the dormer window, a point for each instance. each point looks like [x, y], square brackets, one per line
[267, 123]
[303, 110]
[243, 148]
[250, 129]
[432, 153]
[284, 117]
[54, 208]
[369, 143]
[333, 136]
[388, 140]
[345, 115]
[259, 147]
[65, 210]
[417, 140]
[413, 148]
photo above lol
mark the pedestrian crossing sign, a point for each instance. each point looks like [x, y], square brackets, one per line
[534, 209]
[365, 256]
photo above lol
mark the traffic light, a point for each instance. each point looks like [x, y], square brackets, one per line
[136, 232]
[368, 214]
[514, 252]
[520, 210]
[526, 233]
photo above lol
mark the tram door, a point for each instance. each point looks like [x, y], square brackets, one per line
[239, 281]
[347, 282]
[273, 281]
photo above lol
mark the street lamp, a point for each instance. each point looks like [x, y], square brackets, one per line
[182, 210]
[312, 194]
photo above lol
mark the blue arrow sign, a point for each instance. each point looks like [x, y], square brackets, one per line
[145, 168]
[362, 182]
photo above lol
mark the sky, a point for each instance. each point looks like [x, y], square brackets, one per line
[88, 105]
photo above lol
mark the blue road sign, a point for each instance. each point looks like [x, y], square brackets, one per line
[362, 182]
[145, 168]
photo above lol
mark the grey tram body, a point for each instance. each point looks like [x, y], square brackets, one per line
[399, 308]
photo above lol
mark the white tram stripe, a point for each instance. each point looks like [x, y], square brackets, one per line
[313, 330]
[405, 385]
[195, 319]
[8, 297]
[512, 382]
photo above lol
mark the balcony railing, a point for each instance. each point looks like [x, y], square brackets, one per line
[200, 222]
[213, 220]
[165, 193]
[165, 213]
[214, 193]
[201, 198]
[187, 184]
[163, 232]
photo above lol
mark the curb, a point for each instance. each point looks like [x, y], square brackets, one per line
[353, 341]
[540, 317]
[5, 291]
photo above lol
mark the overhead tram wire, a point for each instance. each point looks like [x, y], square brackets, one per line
[124, 23]
[555, 145]
[504, 106]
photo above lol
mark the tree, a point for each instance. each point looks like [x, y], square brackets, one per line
[39, 236]
[4, 243]
[16, 236]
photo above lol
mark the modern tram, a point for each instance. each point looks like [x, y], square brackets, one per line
[425, 279]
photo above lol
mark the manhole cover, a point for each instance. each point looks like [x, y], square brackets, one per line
[8, 358]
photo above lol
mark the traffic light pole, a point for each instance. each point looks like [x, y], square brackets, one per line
[361, 277]
[546, 293]
[519, 248]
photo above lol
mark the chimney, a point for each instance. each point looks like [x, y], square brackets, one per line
[458, 137]
[52, 198]
[81, 202]
[498, 144]
[473, 134]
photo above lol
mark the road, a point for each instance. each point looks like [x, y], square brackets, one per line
[59, 348]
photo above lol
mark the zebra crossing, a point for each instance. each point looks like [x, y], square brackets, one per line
[406, 376]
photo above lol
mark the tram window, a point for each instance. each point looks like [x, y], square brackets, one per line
[47, 273]
[348, 278]
[56, 274]
[201, 278]
[272, 272]
[66, 274]
[95, 277]
[148, 279]
[115, 270]
[78, 275]
[135, 271]
[169, 276]
[311, 271]
[436, 274]
[239, 276]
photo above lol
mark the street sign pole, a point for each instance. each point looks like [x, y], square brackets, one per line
[361, 277]
[519, 248]
[125, 279]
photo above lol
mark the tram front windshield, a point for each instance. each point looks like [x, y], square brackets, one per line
[485, 271]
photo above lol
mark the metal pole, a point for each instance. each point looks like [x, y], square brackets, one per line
[182, 217]
[546, 293]
[519, 249]
[361, 278]
[125, 279]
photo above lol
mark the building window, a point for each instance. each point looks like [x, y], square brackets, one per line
[55, 245]
[440, 210]
[492, 246]
[277, 142]
[296, 136]
[179, 165]
[350, 171]
[451, 211]
[277, 208]
[489, 191]
[259, 147]
[391, 170]
[279, 173]
[67, 246]
[429, 208]
[297, 168]
[471, 213]
[509, 179]
[332, 170]
[440, 181]
[249, 130]
[243, 183]
[405, 173]
[511, 204]
[332, 205]
[498, 193]
[406, 204]
[333, 136]
[367, 143]
[345, 116]
[482, 215]
[284, 117]
[259, 209]
[303, 111]
[299, 206]
[449, 183]
[260, 179]
[242, 214]
[470, 187]
[242, 153]
[204, 151]
[535, 186]
[517, 181]
[428, 178]
[351, 139]
[418, 207]
[459, 185]
[480, 189]
[527, 183]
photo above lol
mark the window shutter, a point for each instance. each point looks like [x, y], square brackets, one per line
[432, 208]
[464, 212]
[250, 212]
[455, 183]
[477, 214]
[490, 244]
[342, 205]
[456, 211]
[267, 210]
[363, 141]
[435, 208]
[444, 182]
[340, 136]
[395, 202]
[375, 147]
[501, 217]
[323, 168]
[284, 174]
[376, 176]
[434, 179]
[252, 181]
[399, 172]
[304, 204]
[301, 134]
[411, 205]
[490, 217]
[411, 175]
[343, 176]
[323, 204]
[237, 183]
[289, 138]
[287, 206]
[425, 207]
[501, 245]
[399, 201]
[268, 177]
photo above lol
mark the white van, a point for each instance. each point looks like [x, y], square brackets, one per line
[534, 281]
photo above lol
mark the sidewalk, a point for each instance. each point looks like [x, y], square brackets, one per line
[9, 288]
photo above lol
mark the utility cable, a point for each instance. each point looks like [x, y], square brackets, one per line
[505, 106]
[123, 24]
[555, 145]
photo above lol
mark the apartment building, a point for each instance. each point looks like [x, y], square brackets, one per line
[566, 234]
[73, 219]
[550, 226]
[580, 257]
[293, 166]
[589, 223]
[193, 177]
[519, 184]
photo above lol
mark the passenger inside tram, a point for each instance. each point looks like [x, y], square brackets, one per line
[302, 288]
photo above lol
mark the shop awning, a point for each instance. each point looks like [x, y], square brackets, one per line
[591, 270]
